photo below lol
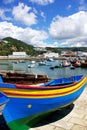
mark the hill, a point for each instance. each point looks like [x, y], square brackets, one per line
[9, 45]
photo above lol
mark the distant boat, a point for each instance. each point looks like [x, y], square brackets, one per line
[55, 67]
[31, 65]
[72, 67]
[84, 64]
[28, 104]
[33, 62]
[21, 61]
[77, 63]
[42, 63]
[50, 59]
[52, 67]
[15, 62]
[66, 63]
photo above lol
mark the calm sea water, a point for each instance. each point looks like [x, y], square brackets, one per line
[45, 69]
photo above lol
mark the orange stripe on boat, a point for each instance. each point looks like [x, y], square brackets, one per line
[21, 93]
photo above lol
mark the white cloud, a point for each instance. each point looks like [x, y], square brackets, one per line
[83, 5]
[42, 2]
[28, 35]
[76, 42]
[3, 15]
[71, 28]
[43, 15]
[24, 14]
[55, 44]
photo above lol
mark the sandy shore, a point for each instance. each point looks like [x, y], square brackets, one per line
[71, 118]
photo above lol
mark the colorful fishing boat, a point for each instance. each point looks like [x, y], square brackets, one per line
[29, 103]
[84, 64]
[66, 63]
[3, 101]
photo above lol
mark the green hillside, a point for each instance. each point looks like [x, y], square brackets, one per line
[9, 45]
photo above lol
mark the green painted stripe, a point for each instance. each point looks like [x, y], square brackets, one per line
[27, 122]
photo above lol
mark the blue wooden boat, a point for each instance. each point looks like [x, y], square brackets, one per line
[3, 101]
[29, 103]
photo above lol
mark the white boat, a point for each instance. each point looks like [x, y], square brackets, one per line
[42, 63]
[33, 62]
[66, 63]
[31, 65]
[50, 59]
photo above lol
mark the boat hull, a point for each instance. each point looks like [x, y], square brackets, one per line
[22, 111]
[3, 101]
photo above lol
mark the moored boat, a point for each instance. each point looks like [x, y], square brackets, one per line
[27, 103]
[23, 78]
[31, 65]
[77, 63]
[66, 63]
[84, 64]
[42, 63]
[72, 67]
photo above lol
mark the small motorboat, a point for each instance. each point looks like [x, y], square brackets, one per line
[31, 65]
[42, 63]
[29, 103]
[72, 67]
[66, 63]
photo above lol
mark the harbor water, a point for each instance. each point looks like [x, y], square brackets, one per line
[23, 67]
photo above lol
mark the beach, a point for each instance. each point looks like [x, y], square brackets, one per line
[73, 117]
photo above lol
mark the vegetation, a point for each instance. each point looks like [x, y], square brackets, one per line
[58, 50]
[9, 45]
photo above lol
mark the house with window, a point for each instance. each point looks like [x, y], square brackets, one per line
[50, 55]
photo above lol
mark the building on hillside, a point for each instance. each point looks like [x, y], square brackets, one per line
[51, 55]
[40, 49]
[18, 55]
[69, 54]
[80, 53]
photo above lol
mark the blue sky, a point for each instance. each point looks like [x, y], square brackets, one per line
[45, 23]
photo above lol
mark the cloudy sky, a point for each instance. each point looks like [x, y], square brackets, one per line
[45, 23]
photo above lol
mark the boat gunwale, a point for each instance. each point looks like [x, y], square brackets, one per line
[28, 87]
[44, 95]
[6, 98]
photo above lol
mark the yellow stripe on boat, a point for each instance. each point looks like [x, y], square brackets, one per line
[31, 93]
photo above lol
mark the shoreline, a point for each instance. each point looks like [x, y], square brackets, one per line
[30, 58]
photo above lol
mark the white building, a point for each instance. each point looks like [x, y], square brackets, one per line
[51, 55]
[18, 55]
[80, 53]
